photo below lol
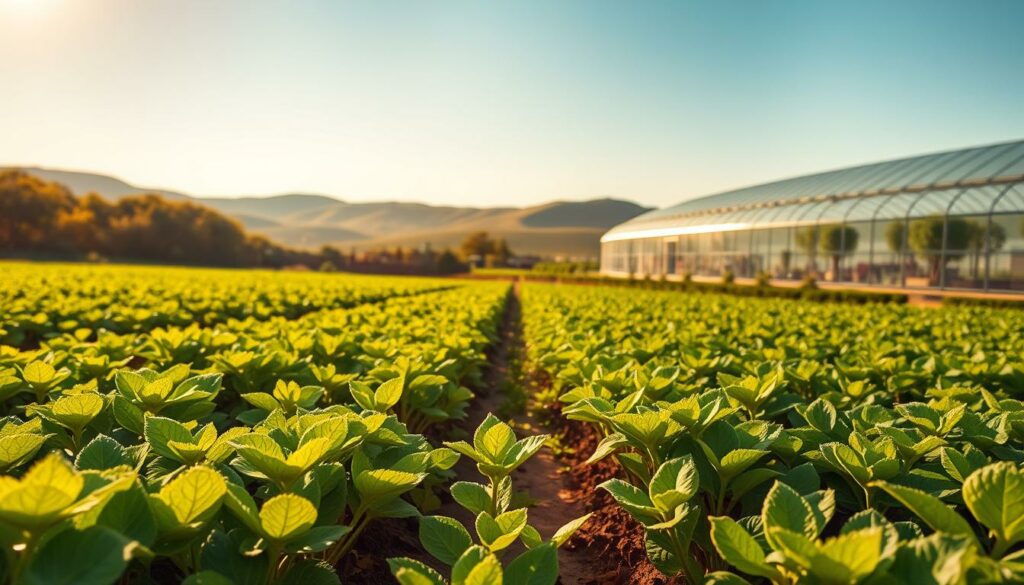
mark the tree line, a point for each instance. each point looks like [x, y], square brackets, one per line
[40, 218]
[44, 217]
[936, 240]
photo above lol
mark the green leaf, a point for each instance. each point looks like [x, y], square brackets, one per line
[223, 553]
[927, 507]
[43, 495]
[471, 496]
[16, 449]
[243, 506]
[607, 446]
[530, 537]
[785, 509]
[487, 572]
[935, 560]
[128, 415]
[75, 411]
[738, 548]
[748, 480]
[317, 538]
[94, 556]
[261, 400]
[102, 453]
[382, 484]
[522, 450]
[362, 394]
[564, 533]
[160, 431]
[498, 533]
[389, 393]
[737, 461]
[632, 499]
[859, 552]
[473, 556]
[674, 483]
[286, 516]
[195, 495]
[960, 465]
[821, 415]
[128, 513]
[310, 572]
[537, 566]
[412, 572]
[496, 442]
[995, 495]
[724, 578]
[38, 373]
[444, 538]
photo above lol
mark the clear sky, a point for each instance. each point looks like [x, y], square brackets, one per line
[498, 103]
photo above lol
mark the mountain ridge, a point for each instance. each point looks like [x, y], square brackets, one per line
[560, 228]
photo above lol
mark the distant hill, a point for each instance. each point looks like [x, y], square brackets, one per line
[81, 183]
[560, 228]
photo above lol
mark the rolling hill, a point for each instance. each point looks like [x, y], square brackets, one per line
[561, 228]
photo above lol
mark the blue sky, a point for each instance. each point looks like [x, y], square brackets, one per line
[499, 103]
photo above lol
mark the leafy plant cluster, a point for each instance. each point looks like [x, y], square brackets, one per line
[770, 441]
[249, 451]
[42, 302]
[500, 521]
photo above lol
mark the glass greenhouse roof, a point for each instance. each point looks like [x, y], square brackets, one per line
[976, 180]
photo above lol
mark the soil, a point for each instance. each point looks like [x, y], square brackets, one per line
[611, 540]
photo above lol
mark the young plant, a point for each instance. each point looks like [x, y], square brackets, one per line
[286, 527]
[497, 527]
[49, 493]
[172, 393]
[497, 454]
[287, 396]
[42, 379]
[665, 510]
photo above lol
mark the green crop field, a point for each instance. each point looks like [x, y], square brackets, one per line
[174, 425]
[760, 440]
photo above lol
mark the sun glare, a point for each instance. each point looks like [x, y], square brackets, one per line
[26, 5]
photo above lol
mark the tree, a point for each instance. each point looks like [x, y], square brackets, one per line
[29, 207]
[976, 242]
[925, 238]
[447, 263]
[332, 255]
[807, 240]
[894, 236]
[476, 244]
[39, 215]
[502, 251]
[838, 241]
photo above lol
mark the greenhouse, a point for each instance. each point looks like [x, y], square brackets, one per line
[949, 220]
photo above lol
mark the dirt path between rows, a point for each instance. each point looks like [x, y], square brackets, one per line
[542, 477]
[545, 478]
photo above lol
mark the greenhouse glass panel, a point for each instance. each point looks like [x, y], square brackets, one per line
[958, 167]
[974, 200]
[1003, 163]
[1011, 200]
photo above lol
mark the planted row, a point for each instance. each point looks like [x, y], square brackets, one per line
[768, 440]
[41, 301]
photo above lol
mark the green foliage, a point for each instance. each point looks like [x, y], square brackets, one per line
[499, 523]
[255, 445]
[765, 440]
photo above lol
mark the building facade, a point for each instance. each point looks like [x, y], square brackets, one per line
[952, 220]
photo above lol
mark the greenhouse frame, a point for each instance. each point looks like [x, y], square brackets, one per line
[951, 220]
